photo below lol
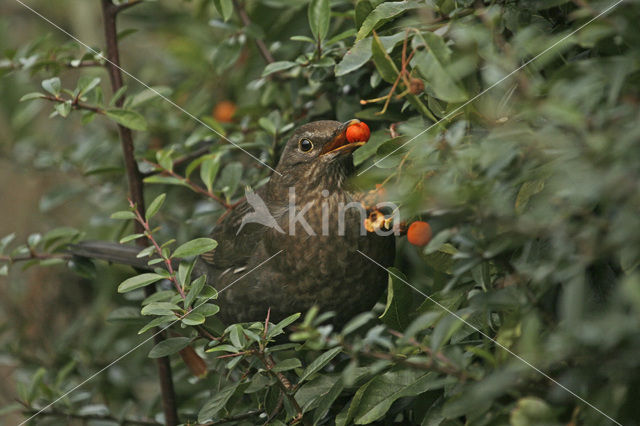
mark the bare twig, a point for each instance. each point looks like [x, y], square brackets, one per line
[109, 12]
[75, 104]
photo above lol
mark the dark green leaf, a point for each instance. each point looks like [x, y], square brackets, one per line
[127, 118]
[169, 346]
[195, 247]
[319, 363]
[138, 281]
[319, 13]
[383, 13]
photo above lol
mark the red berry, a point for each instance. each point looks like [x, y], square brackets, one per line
[223, 111]
[419, 233]
[358, 132]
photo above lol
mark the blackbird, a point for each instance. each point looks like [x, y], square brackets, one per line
[309, 226]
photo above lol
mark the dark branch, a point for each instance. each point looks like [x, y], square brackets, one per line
[262, 48]
[134, 177]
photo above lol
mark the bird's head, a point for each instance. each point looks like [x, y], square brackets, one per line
[318, 155]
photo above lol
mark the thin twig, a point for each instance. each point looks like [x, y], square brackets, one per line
[167, 261]
[75, 104]
[262, 48]
[134, 177]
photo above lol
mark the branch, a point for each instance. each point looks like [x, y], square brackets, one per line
[149, 234]
[75, 104]
[134, 177]
[262, 48]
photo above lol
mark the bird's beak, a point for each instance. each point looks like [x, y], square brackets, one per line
[339, 145]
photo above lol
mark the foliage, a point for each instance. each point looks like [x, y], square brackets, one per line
[528, 180]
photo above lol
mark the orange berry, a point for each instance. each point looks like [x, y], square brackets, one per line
[419, 233]
[223, 111]
[358, 132]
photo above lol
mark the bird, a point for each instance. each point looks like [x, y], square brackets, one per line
[312, 239]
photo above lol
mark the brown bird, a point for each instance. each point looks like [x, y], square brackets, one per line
[302, 218]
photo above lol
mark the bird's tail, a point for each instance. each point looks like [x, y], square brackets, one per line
[111, 252]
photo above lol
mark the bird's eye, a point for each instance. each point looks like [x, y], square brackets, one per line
[305, 145]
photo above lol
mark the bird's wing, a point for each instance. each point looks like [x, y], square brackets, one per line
[237, 237]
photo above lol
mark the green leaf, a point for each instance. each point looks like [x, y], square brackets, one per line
[385, 66]
[207, 309]
[193, 318]
[527, 190]
[156, 322]
[236, 336]
[149, 94]
[216, 403]
[384, 390]
[63, 108]
[196, 287]
[209, 170]
[319, 14]
[160, 308]
[138, 281]
[52, 86]
[166, 180]
[5, 241]
[164, 158]
[339, 37]
[32, 95]
[433, 64]
[230, 178]
[155, 206]
[287, 364]
[195, 247]
[319, 363]
[399, 300]
[131, 238]
[360, 53]
[116, 96]
[86, 84]
[268, 125]
[169, 346]
[224, 8]
[362, 10]
[382, 14]
[278, 328]
[326, 401]
[302, 38]
[127, 118]
[277, 67]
